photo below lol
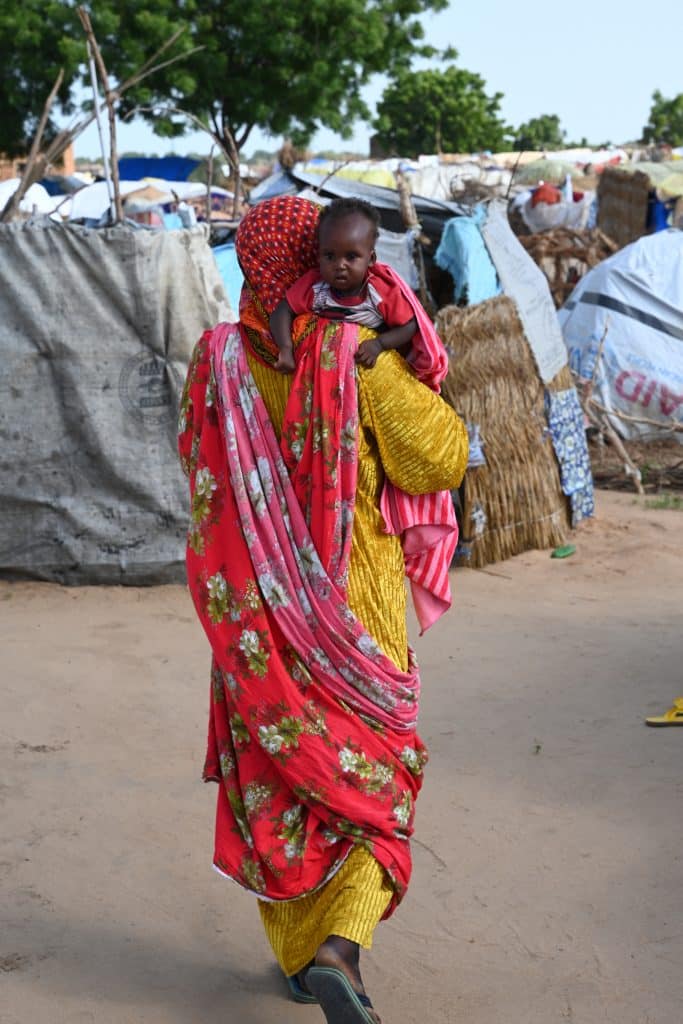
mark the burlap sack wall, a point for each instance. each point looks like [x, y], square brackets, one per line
[96, 330]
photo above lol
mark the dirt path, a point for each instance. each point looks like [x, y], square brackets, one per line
[548, 882]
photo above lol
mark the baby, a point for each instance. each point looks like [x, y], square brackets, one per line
[348, 285]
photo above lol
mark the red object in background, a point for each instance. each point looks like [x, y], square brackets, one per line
[546, 194]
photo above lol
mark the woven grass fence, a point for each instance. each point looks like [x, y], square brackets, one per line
[515, 502]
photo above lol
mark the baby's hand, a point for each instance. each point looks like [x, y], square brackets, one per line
[285, 362]
[368, 352]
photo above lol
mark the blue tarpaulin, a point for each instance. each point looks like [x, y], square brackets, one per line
[171, 168]
[463, 253]
[229, 269]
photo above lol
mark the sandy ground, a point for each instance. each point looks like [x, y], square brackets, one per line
[548, 883]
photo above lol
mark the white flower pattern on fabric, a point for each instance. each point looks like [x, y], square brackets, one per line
[310, 561]
[403, 809]
[347, 760]
[270, 739]
[205, 482]
[216, 586]
[266, 477]
[273, 591]
[368, 646]
[410, 759]
[255, 492]
[249, 642]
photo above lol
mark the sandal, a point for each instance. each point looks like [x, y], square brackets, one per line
[674, 716]
[297, 991]
[339, 1002]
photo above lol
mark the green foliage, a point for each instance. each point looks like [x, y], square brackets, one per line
[287, 68]
[666, 501]
[665, 122]
[438, 111]
[37, 38]
[542, 132]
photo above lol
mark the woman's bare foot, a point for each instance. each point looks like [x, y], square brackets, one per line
[343, 954]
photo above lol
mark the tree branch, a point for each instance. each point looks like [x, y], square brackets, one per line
[65, 138]
[225, 142]
[35, 164]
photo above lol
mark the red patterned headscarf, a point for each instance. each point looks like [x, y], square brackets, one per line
[276, 242]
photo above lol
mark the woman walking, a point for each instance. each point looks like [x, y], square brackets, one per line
[314, 689]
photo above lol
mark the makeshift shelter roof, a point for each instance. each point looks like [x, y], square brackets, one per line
[671, 187]
[173, 168]
[656, 171]
[36, 198]
[432, 213]
[92, 202]
[554, 171]
[61, 185]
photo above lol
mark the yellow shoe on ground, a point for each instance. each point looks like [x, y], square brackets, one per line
[674, 716]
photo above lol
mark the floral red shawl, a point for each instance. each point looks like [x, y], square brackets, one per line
[312, 728]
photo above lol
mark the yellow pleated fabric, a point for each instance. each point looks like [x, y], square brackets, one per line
[351, 904]
[411, 434]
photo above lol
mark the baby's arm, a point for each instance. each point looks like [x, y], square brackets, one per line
[281, 328]
[394, 337]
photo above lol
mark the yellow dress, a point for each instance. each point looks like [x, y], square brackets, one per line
[409, 433]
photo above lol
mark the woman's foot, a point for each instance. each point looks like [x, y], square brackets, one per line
[344, 955]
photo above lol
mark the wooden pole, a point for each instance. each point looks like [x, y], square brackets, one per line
[410, 219]
[110, 96]
[209, 183]
[98, 119]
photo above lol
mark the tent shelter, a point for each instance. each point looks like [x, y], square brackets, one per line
[630, 310]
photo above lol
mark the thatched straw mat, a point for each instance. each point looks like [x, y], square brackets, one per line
[514, 502]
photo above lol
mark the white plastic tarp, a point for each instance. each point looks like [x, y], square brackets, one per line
[636, 296]
[96, 329]
[546, 216]
[36, 199]
[528, 287]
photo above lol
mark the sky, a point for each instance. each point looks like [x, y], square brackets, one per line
[595, 65]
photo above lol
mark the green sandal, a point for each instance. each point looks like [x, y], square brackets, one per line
[298, 993]
[339, 1002]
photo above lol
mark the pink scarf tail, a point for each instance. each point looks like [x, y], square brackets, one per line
[426, 523]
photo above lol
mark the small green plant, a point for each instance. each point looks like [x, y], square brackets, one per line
[667, 501]
[645, 471]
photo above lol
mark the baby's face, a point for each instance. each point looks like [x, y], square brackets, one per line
[347, 249]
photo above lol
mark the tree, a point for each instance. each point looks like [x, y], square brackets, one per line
[665, 122]
[542, 132]
[37, 38]
[437, 111]
[284, 67]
